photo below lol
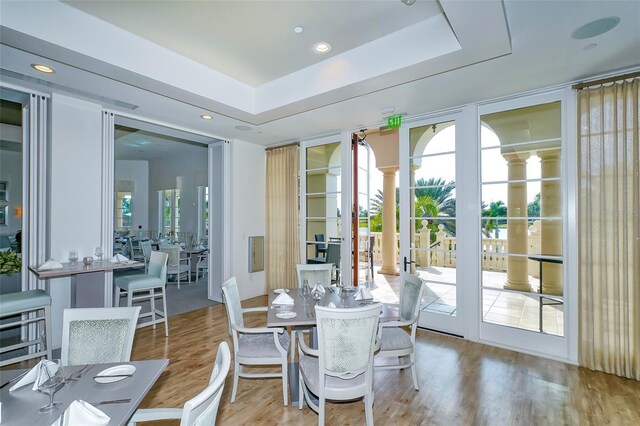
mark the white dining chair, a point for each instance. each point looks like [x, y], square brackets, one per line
[254, 346]
[394, 340]
[202, 409]
[202, 265]
[146, 288]
[342, 366]
[146, 252]
[177, 265]
[98, 335]
[314, 274]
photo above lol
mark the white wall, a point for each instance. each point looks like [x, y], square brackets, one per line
[137, 171]
[75, 191]
[185, 172]
[248, 171]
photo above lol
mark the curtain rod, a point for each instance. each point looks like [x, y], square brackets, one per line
[271, 148]
[584, 85]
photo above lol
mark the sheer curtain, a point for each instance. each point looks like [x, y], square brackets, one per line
[283, 219]
[609, 254]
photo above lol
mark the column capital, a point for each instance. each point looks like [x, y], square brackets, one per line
[549, 154]
[389, 169]
[516, 157]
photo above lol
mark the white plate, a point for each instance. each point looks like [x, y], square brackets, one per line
[114, 371]
[280, 290]
[286, 314]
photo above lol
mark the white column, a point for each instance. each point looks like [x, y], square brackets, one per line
[389, 236]
[517, 235]
[551, 230]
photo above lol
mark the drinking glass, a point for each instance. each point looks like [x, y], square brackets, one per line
[344, 295]
[73, 256]
[51, 385]
[98, 252]
[305, 290]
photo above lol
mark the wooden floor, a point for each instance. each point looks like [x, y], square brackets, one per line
[462, 383]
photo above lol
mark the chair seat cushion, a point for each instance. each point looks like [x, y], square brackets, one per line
[22, 301]
[261, 345]
[311, 372]
[394, 338]
[138, 282]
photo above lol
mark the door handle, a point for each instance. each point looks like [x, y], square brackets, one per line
[407, 262]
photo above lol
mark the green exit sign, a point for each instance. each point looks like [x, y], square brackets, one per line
[394, 122]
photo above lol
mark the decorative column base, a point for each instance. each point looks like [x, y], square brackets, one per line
[519, 286]
[388, 271]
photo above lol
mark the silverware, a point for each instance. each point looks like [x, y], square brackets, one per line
[111, 401]
[105, 376]
[77, 375]
[15, 379]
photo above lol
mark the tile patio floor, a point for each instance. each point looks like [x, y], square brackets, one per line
[498, 306]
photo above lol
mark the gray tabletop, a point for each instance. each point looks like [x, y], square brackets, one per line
[80, 268]
[305, 309]
[20, 407]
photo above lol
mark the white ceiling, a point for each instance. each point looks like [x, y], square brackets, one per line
[482, 50]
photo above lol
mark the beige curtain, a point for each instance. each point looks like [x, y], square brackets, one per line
[609, 279]
[283, 218]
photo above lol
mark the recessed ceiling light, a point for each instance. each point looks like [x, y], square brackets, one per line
[387, 110]
[243, 128]
[42, 68]
[206, 117]
[298, 29]
[322, 47]
[595, 28]
[590, 46]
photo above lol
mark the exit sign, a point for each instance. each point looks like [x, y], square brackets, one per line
[394, 122]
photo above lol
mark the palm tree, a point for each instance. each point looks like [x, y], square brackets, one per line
[440, 192]
[495, 209]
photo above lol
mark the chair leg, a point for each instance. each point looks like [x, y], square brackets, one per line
[321, 407]
[152, 301]
[178, 277]
[117, 297]
[285, 381]
[47, 331]
[236, 373]
[293, 344]
[368, 409]
[301, 395]
[130, 298]
[164, 311]
[414, 371]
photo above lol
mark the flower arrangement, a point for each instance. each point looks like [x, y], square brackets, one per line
[10, 263]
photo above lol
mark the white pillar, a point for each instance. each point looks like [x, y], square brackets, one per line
[551, 230]
[389, 237]
[517, 235]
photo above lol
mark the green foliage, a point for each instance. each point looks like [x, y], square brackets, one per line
[10, 263]
[533, 208]
[495, 209]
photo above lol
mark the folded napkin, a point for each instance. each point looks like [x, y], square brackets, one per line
[50, 264]
[81, 413]
[363, 294]
[37, 375]
[331, 305]
[119, 258]
[319, 288]
[283, 299]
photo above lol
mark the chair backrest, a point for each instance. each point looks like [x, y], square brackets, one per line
[314, 273]
[411, 291]
[158, 265]
[346, 340]
[98, 335]
[146, 249]
[174, 254]
[333, 254]
[319, 243]
[202, 409]
[232, 303]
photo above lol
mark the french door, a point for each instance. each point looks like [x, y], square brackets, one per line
[430, 227]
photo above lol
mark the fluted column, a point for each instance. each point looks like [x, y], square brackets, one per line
[551, 230]
[389, 237]
[517, 235]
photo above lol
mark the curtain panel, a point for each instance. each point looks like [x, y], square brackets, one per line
[282, 236]
[609, 228]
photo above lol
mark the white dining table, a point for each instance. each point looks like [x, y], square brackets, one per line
[20, 407]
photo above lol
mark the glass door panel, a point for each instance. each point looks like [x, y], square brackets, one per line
[428, 172]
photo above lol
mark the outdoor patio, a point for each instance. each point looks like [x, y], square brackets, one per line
[499, 306]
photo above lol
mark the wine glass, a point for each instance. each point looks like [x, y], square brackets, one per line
[51, 384]
[344, 295]
[73, 257]
[305, 290]
[98, 252]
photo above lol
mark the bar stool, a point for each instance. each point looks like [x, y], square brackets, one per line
[152, 285]
[18, 304]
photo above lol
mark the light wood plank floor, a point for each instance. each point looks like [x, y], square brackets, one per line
[462, 383]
